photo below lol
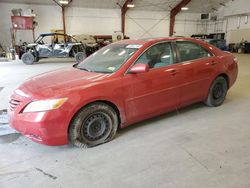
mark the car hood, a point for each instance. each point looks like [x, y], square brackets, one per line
[59, 82]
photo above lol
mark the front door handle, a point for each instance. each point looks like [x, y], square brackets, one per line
[172, 71]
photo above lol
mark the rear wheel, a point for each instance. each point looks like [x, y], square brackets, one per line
[217, 92]
[36, 59]
[93, 125]
[28, 58]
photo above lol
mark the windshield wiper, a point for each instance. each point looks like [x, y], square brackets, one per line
[105, 72]
[88, 70]
[84, 69]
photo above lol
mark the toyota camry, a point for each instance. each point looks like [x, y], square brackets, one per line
[122, 83]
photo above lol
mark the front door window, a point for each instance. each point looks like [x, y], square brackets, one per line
[159, 55]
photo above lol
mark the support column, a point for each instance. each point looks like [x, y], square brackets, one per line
[173, 13]
[63, 14]
[124, 10]
[63, 18]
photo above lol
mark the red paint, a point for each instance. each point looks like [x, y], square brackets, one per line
[22, 22]
[138, 96]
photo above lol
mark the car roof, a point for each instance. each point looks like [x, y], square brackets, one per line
[155, 40]
[51, 34]
[152, 41]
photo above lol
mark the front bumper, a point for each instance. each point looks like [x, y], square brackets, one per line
[49, 128]
[40, 127]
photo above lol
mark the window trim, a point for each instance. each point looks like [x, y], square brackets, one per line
[173, 48]
[178, 52]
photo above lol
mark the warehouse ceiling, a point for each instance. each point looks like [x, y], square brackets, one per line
[77, 3]
[198, 6]
[206, 6]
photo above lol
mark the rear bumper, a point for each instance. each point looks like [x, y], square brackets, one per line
[47, 128]
[233, 72]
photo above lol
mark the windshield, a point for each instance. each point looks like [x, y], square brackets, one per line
[109, 59]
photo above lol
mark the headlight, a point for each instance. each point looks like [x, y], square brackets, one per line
[44, 105]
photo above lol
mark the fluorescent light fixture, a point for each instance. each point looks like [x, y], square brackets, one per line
[64, 2]
[238, 22]
[130, 5]
[184, 8]
[246, 19]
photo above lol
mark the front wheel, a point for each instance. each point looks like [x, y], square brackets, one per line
[93, 125]
[217, 92]
[28, 58]
[80, 56]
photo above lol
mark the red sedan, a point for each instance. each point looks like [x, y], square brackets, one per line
[119, 85]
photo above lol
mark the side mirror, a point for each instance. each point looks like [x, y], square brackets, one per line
[139, 68]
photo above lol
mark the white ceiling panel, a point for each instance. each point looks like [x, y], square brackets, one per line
[156, 5]
[103, 4]
[39, 2]
[79, 3]
[205, 6]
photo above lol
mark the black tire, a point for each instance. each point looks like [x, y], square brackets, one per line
[28, 58]
[93, 125]
[35, 54]
[36, 59]
[80, 56]
[217, 92]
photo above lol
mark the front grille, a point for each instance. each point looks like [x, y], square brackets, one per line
[13, 104]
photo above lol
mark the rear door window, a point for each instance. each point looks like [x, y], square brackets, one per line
[190, 51]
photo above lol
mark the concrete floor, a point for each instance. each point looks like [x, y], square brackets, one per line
[196, 148]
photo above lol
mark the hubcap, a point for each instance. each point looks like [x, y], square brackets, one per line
[218, 91]
[27, 58]
[96, 126]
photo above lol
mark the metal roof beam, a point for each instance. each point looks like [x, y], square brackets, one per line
[174, 12]
[63, 14]
[124, 10]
